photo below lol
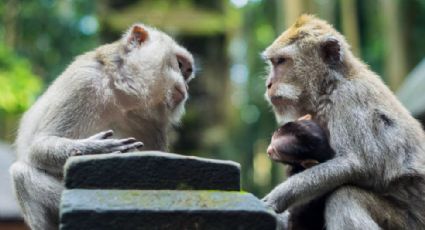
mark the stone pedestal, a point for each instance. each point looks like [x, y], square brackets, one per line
[155, 190]
[151, 171]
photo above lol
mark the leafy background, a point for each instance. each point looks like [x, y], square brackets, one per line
[227, 116]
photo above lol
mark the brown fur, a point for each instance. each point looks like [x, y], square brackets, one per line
[380, 148]
[139, 34]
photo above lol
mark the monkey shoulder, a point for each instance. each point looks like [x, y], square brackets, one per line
[83, 78]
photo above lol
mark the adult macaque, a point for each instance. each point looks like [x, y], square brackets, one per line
[136, 86]
[377, 174]
[302, 144]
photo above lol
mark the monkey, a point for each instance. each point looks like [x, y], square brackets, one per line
[133, 89]
[302, 144]
[376, 178]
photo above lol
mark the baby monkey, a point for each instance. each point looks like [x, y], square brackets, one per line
[302, 144]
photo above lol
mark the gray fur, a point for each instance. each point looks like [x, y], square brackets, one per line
[124, 86]
[376, 179]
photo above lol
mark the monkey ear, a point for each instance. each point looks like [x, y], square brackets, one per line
[331, 50]
[306, 117]
[137, 35]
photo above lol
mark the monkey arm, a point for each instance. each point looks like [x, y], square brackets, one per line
[312, 183]
[365, 157]
[51, 152]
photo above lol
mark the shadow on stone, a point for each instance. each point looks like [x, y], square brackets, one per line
[132, 209]
[151, 170]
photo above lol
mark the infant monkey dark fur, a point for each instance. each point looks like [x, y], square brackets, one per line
[302, 144]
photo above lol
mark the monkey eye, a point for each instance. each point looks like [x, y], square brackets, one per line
[185, 66]
[278, 60]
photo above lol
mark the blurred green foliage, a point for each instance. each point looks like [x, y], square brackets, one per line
[227, 116]
[18, 85]
[38, 39]
[51, 33]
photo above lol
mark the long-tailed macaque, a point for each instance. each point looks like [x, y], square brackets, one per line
[376, 178]
[133, 89]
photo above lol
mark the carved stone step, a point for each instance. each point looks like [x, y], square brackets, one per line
[162, 209]
[151, 170]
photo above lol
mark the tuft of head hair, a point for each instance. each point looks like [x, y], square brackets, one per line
[307, 26]
[310, 31]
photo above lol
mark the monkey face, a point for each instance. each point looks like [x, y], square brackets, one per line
[300, 143]
[286, 146]
[182, 68]
[178, 94]
[282, 90]
[278, 150]
[300, 60]
[158, 69]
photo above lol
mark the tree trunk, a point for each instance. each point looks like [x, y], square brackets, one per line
[350, 26]
[395, 58]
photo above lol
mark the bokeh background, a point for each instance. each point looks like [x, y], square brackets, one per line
[227, 116]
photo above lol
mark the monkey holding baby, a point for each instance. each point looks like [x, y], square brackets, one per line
[300, 145]
[136, 86]
[376, 179]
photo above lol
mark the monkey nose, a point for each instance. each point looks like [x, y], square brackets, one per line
[269, 85]
[270, 150]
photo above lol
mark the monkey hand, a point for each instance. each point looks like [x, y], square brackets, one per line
[267, 202]
[283, 220]
[276, 199]
[99, 143]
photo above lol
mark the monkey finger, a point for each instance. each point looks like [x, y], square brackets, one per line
[135, 149]
[128, 147]
[129, 150]
[128, 141]
[111, 145]
[269, 204]
[102, 135]
[76, 152]
[274, 207]
[283, 220]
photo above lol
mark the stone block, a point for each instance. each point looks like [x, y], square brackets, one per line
[163, 209]
[151, 170]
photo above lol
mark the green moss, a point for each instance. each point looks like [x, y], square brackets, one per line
[168, 198]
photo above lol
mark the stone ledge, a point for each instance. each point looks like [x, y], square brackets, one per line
[165, 209]
[151, 170]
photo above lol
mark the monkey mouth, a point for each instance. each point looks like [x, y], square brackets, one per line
[277, 100]
[178, 95]
[270, 150]
[283, 158]
[272, 153]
